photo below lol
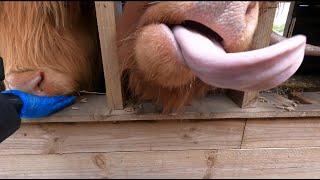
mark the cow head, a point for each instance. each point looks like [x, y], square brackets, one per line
[173, 52]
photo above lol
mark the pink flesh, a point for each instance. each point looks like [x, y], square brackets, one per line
[26, 82]
[260, 69]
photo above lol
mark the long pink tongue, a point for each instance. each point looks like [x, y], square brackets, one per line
[259, 70]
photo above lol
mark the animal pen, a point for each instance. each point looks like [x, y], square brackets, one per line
[232, 134]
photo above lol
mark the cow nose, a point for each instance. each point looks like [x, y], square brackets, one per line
[239, 31]
[28, 81]
[235, 21]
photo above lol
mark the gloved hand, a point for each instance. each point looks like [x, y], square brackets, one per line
[39, 106]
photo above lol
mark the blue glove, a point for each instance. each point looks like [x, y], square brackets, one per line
[39, 106]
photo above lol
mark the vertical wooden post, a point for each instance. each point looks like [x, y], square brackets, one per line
[261, 39]
[289, 21]
[106, 12]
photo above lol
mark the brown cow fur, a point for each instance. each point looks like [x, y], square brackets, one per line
[57, 38]
[160, 79]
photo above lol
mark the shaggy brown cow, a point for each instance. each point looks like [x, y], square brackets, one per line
[170, 52]
[173, 52]
[50, 47]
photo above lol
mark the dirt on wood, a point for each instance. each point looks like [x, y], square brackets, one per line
[297, 83]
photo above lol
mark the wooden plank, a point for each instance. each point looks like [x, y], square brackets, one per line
[261, 39]
[193, 164]
[210, 107]
[88, 111]
[277, 100]
[282, 133]
[106, 17]
[64, 138]
[292, 25]
[305, 97]
[289, 19]
[243, 99]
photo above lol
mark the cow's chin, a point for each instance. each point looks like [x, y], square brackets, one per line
[46, 82]
[158, 57]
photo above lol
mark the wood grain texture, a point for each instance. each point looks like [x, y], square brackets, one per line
[289, 19]
[305, 97]
[64, 138]
[106, 13]
[282, 133]
[194, 164]
[260, 40]
[243, 99]
[212, 107]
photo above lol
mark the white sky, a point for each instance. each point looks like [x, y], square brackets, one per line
[282, 13]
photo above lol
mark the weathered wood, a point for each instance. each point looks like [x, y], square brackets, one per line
[261, 39]
[277, 100]
[243, 99]
[305, 97]
[64, 138]
[195, 164]
[106, 13]
[289, 19]
[210, 107]
[292, 25]
[310, 50]
[89, 110]
[282, 133]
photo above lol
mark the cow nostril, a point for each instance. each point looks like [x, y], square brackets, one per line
[27, 81]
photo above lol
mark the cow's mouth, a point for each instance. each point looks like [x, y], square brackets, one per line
[202, 51]
[211, 46]
[201, 29]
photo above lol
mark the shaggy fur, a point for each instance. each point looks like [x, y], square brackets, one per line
[59, 42]
[147, 62]
[55, 38]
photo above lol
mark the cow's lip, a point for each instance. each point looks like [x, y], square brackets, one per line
[192, 25]
[201, 29]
